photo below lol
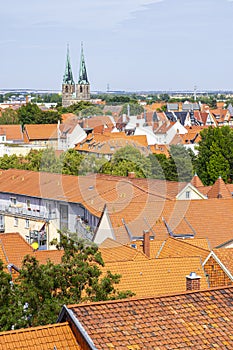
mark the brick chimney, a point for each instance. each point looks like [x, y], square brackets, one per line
[193, 281]
[146, 243]
[131, 175]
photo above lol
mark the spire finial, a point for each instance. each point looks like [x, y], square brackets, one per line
[82, 70]
[68, 76]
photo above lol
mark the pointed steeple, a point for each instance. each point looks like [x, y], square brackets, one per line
[219, 190]
[82, 79]
[196, 181]
[68, 76]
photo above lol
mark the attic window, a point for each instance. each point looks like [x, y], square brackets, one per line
[187, 194]
[134, 246]
[90, 188]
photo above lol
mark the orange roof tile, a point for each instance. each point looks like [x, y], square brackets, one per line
[109, 143]
[160, 149]
[15, 248]
[194, 320]
[40, 131]
[110, 243]
[68, 116]
[12, 132]
[155, 246]
[219, 190]
[97, 121]
[181, 248]
[205, 217]
[56, 336]
[196, 181]
[147, 277]
[225, 255]
[121, 253]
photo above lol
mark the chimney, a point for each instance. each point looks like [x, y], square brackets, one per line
[146, 243]
[131, 175]
[193, 281]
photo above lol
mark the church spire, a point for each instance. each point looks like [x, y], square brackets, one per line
[82, 79]
[68, 76]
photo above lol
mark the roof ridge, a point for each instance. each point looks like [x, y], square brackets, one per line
[183, 241]
[23, 330]
[149, 297]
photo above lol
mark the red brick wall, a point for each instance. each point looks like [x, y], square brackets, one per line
[217, 277]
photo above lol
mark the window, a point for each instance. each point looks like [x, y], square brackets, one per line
[13, 200]
[187, 194]
[16, 221]
[27, 223]
[28, 203]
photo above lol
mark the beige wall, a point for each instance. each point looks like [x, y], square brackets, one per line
[10, 226]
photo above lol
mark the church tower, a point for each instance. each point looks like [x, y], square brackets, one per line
[83, 86]
[68, 85]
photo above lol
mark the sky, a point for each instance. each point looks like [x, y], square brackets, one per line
[130, 45]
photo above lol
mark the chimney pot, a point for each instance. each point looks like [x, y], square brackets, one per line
[131, 175]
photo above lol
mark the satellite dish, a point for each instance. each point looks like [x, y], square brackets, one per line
[35, 245]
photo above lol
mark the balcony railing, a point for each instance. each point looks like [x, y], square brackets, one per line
[84, 230]
[27, 212]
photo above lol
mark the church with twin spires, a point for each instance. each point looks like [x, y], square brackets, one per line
[72, 92]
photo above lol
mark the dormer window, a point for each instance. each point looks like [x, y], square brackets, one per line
[187, 194]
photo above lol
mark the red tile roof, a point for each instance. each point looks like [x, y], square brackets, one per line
[12, 132]
[203, 217]
[195, 320]
[219, 190]
[196, 181]
[50, 337]
[147, 277]
[40, 131]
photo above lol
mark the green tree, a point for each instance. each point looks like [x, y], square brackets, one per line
[29, 113]
[71, 161]
[159, 165]
[50, 162]
[91, 164]
[42, 289]
[181, 167]
[215, 143]
[217, 166]
[10, 162]
[32, 114]
[8, 301]
[32, 160]
[128, 159]
[9, 116]
[135, 108]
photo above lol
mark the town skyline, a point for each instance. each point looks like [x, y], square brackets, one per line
[138, 46]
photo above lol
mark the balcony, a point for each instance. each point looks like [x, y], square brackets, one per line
[84, 230]
[42, 214]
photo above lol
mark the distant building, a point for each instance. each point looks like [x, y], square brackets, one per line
[71, 92]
